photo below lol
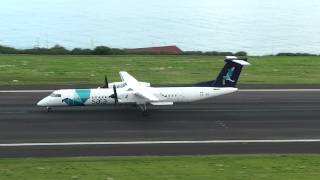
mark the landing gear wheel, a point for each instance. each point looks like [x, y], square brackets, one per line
[143, 108]
[49, 109]
[145, 113]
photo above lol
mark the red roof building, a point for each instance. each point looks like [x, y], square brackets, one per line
[161, 49]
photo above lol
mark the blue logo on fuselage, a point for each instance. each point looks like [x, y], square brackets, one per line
[79, 98]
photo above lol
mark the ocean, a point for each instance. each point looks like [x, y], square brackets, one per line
[258, 27]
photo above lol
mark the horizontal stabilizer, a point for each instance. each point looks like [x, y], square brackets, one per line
[231, 57]
[241, 62]
[162, 103]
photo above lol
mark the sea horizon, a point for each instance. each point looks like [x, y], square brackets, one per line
[259, 28]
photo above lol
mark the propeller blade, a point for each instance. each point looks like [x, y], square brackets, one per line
[115, 94]
[106, 83]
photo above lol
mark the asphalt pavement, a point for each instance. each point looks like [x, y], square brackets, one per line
[203, 127]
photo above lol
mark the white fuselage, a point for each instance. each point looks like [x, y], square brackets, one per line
[101, 96]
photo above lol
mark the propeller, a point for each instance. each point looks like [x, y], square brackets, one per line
[106, 83]
[114, 95]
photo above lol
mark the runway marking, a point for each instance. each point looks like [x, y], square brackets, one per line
[241, 90]
[222, 124]
[162, 142]
[13, 112]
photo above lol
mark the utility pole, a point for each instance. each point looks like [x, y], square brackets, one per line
[92, 43]
[47, 41]
[37, 43]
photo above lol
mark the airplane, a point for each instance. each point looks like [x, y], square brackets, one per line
[141, 94]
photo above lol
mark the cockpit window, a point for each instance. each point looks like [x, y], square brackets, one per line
[55, 95]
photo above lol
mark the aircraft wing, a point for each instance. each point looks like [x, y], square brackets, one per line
[144, 93]
[126, 77]
[140, 91]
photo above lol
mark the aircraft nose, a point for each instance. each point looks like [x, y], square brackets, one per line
[42, 102]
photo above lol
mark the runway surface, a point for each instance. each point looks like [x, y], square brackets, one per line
[282, 121]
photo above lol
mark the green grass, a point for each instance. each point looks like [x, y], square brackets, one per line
[244, 167]
[29, 69]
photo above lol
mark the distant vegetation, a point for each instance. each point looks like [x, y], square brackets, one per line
[296, 54]
[215, 53]
[60, 50]
[103, 50]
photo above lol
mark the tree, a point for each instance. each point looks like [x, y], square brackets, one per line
[58, 50]
[79, 51]
[241, 53]
[102, 50]
[8, 50]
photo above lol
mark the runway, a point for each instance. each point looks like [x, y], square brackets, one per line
[249, 121]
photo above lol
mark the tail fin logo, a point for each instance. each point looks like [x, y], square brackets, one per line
[229, 74]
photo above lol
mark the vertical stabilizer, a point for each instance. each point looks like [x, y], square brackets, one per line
[229, 75]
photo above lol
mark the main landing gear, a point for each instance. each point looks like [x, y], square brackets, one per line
[49, 109]
[143, 108]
